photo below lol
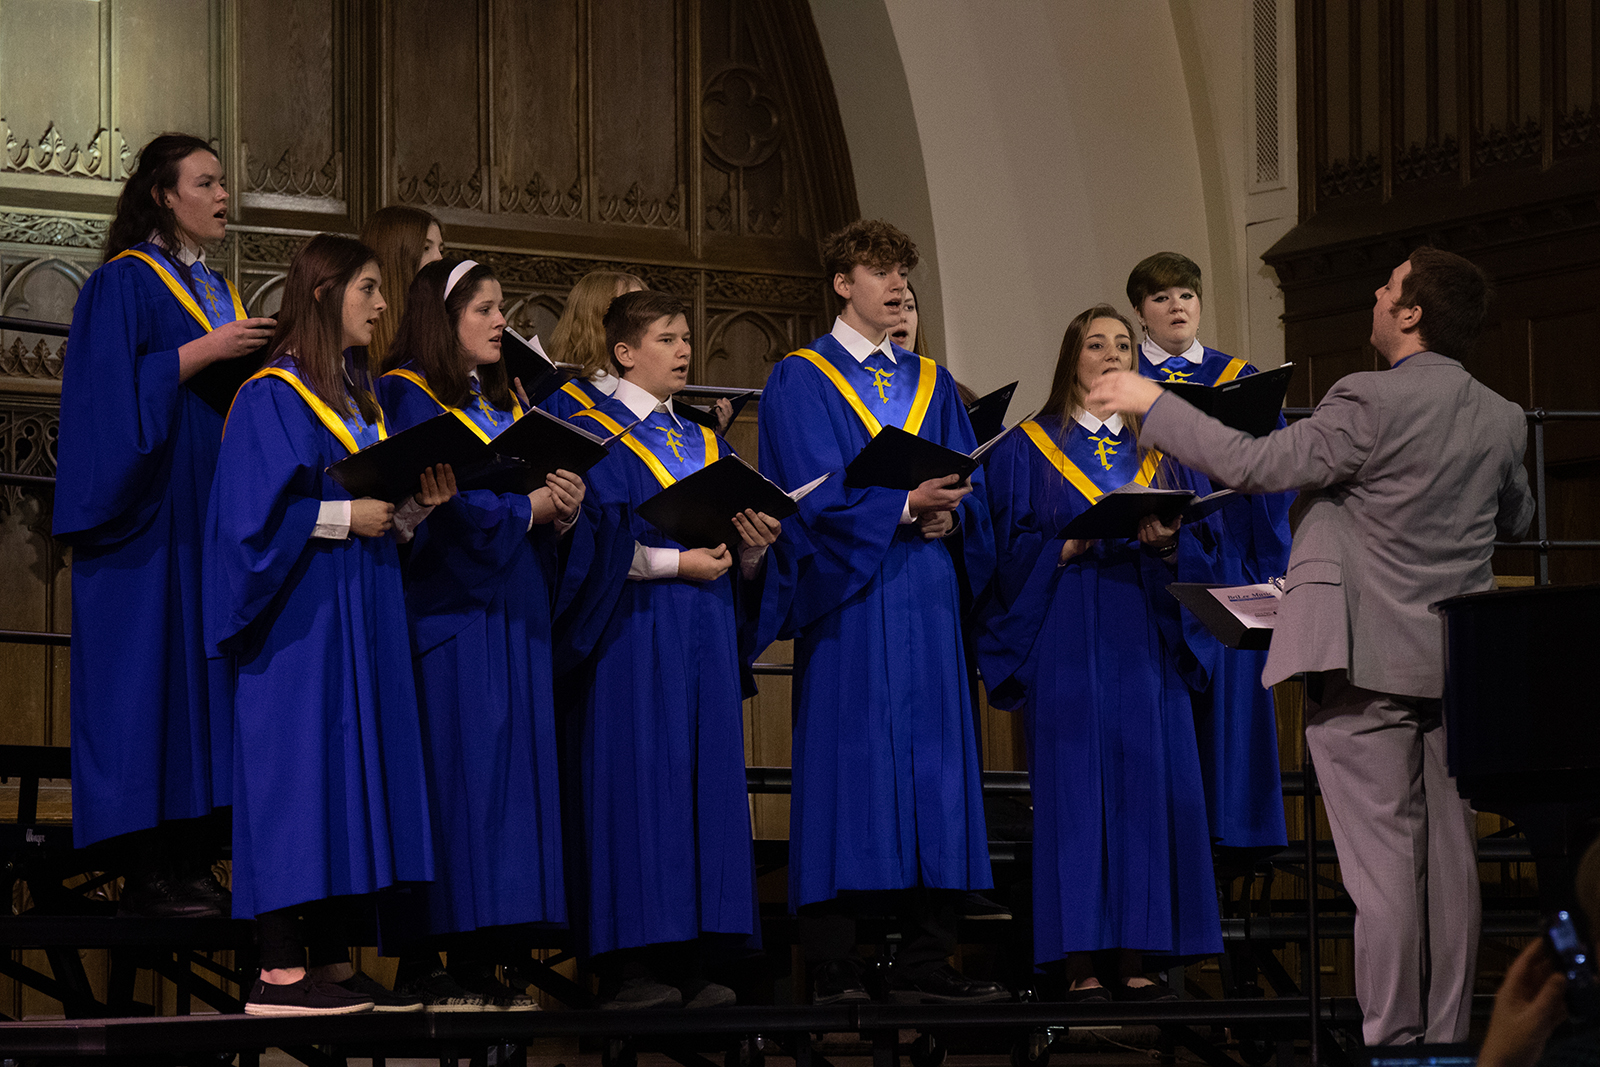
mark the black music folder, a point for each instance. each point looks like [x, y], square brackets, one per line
[1118, 514]
[1240, 616]
[707, 417]
[896, 459]
[697, 511]
[1251, 403]
[988, 413]
[538, 445]
[392, 468]
[217, 383]
[526, 362]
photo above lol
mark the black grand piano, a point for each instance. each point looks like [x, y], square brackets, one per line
[1522, 715]
[1520, 700]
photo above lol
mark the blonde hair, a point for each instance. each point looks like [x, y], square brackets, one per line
[580, 336]
[398, 234]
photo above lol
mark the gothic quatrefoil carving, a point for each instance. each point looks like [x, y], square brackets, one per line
[741, 120]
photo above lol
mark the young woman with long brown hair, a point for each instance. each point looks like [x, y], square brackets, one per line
[303, 590]
[150, 714]
[406, 239]
[1084, 639]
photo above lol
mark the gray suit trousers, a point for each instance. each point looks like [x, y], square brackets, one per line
[1407, 847]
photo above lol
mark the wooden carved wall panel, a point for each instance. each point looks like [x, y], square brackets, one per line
[637, 55]
[289, 121]
[50, 89]
[435, 75]
[538, 126]
[164, 73]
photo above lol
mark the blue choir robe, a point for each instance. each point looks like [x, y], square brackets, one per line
[658, 735]
[573, 396]
[1233, 713]
[479, 584]
[1088, 651]
[886, 792]
[329, 796]
[151, 715]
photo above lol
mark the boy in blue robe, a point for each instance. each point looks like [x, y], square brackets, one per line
[151, 715]
[1235, 721]
[658, 741]
[887, 793]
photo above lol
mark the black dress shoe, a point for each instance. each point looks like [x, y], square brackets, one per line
[838, 982]
[943, 985]
[158, 897]
[1144, 994]
[976, 906]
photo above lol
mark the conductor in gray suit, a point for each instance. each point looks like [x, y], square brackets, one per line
[1410, 473]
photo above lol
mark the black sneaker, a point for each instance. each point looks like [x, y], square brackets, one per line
[439, 992]
[709, 995]
[496, 994]
[943, 985]
[838, 982]
[1144, 994]
[161, 897]
[638, 994]
[977, 906]
[305, 997]
[382, 999]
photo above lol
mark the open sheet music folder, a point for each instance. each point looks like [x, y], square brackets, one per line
[1251, 403]
[1118, 514]
[697, 511]
[392, 469]
[1240, 616]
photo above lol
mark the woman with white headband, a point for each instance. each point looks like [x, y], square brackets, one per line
[479, 585]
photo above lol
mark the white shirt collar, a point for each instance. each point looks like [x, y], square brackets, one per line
[604, 381]
[185, 255]
[1158, 355]
[1094, 425]
[859, 347]
[640, 402]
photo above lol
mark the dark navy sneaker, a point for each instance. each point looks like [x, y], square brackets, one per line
[309, 996]
[440, 992]
[495, 993]
[943, 985]
[382, 999]
[838, 982]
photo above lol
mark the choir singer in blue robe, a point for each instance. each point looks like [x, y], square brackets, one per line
[1233, 714]
[1084, 639]
[887, 794]
[303, 589]
[667, 863]
[480, 584]
[151, 740]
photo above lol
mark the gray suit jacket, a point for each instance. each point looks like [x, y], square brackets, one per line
[1414, 472]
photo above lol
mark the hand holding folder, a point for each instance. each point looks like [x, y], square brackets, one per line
[527, 363]
[391, 469]
[698, 511]
[1117, 514]
[538, 445]
[895, 459]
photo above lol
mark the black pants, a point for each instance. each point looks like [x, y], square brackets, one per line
[287, 933]
[927, 920]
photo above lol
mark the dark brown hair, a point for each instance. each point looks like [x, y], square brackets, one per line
[427, 337]
[1454, 296]
[139, 208]
[1164, 270]
[311, 322]
[1066, 392]
[631, 314]
[579, 337]
[398, 234]
[866, 242]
